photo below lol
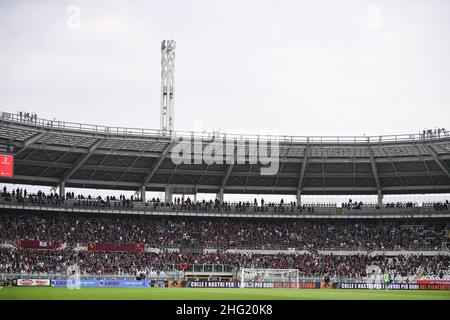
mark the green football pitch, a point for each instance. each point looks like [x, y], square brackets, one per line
[49, 293]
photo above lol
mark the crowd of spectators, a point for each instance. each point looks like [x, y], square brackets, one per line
[355, 205]
[241, 206]
[441, 206]
[436, 133]
[70, 199]
[400, 205]
[121, 263]
[165, 232]
[22, 196]
[181, 203]
[77, 230]
[108, 201]
[27, 116]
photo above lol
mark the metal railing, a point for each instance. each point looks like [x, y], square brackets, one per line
[123, 131]
[152, 208]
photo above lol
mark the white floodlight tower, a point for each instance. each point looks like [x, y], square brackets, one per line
[167, 85]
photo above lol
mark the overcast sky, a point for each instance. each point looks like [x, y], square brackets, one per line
[286, 67]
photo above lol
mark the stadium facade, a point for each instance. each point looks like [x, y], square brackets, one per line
[203, 242]
[65, 154]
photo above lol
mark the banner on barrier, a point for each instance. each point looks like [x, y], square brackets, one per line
[394, 286]
[105, 283]
[433, 281]
[33, 282]
[434, 286]
[237, 284]
[212, 284]
[159, 284]
[378, 286]
[36, 244]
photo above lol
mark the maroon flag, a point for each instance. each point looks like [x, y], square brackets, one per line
[36, 244]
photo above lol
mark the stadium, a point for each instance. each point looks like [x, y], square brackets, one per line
[182, 242]
[93, 211]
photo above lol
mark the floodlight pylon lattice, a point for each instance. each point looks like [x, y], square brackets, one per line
[167, 85]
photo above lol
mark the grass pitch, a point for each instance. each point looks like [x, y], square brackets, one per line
[51, 293]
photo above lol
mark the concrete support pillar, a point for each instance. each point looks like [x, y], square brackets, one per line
[143, 194]
[168, 194]
[220, 195]
[195, 197]
[62, 189]
[380, 199]
[299, 197]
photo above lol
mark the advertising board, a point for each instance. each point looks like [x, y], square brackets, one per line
[33, 282]
[105, 283]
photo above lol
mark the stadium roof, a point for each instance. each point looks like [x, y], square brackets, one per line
[50, 152]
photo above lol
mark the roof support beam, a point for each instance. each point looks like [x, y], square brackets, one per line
[280, 169]
[128, 169]
[227, 175]
[30, 141]
[156, 165]
[98, 166]
[425, 164]
[224, 182]
[302, 176]
[55, 164]
[172, 172]
[376, 177]
[203, 173]
[394, 167]
[248, 176]
[81, 160]
[438, 160]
